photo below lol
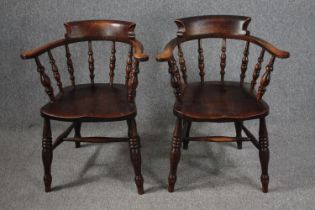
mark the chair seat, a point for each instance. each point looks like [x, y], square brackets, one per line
[215, 101]
[100, 102]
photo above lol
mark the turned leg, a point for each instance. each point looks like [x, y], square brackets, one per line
[263, 154]
[238, 128]
[135, 155]
[47, 154]
[175, 154]
[187, 126]
[77, 133]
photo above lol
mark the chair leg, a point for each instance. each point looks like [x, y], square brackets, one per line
[263, 154]
[175, 154]
[77, 133]
[187, 126]
[47, 154]
[238, 128]
[135, 155]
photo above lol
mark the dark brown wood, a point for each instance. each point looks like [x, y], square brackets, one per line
[91, 62]
[101, 103]
[244, 63]
[182, 63]
[112, 64]
[186, 132]
[250, 136]
[201, 63]
[217, 139]
[265, 79]
[175, 78]
[55, 70]
[203, 25]
[263, 154]
[96, 139]
[93, 102]
[220, 101]
[45, 80]
[217, 102]
[257, 69]
[63, 135]
[175, 154]
[133, 81]
[129, 64]
[223, 59]
[135, 156]
[238, 129]
[77, 133]
[47, 154]
[70, 65]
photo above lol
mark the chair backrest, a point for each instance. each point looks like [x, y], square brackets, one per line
[224, 27]
[92, 30]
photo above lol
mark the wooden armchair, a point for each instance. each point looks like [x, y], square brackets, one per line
[91, 102]
[219, 101]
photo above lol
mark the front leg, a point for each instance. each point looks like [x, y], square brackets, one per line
[263, 154]
[135, 155]
[175, 154]
[47, 154]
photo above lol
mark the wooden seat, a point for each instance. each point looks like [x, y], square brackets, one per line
[80, 103]
[215, 101]
[219, 101]
[91, 102]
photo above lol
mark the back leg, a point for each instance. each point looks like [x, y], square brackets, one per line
[77, 133]
[238, 129]
[187, 126]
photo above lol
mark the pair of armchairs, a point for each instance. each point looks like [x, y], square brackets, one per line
[206, 101]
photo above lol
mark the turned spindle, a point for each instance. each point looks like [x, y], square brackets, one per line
[244, 63]
[91, 62]
[182, 63]
[175, 77]
[70, 65]
[45, 80]
[129, 64]
[55, 71]
[223, 59]
[257, 69]
[112, 63]
[133, 81]
[201, 63]
[265, 79]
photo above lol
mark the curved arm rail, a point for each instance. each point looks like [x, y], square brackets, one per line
[42, 49]
[170, 46]
[136, 44]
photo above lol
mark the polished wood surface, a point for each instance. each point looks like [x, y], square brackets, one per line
[219, 101]
[93, 102]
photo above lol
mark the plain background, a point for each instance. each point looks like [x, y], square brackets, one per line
[210, 176]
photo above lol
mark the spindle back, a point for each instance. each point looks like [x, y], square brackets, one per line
[224, 27]
[88, 31]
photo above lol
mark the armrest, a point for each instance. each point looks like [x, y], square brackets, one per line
[168, 51]
[169, 48]
[138, 50]
[40, 50]
[269, 47]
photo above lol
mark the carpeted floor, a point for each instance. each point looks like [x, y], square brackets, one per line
[210, 176]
